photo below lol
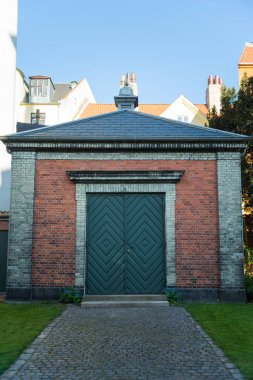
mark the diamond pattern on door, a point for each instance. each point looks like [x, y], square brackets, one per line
[144, 239]
[125, 244]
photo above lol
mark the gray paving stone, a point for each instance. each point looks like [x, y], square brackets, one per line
[134, 344]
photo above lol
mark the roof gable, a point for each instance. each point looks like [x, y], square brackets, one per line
[124, 125]
[247, 54]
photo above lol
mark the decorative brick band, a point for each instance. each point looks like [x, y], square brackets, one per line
[166, 155]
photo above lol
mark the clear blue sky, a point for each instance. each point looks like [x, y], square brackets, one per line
[172, 45]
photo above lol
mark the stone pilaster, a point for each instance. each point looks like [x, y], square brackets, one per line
[230, 226]
[21, 225]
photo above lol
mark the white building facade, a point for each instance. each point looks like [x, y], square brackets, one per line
[8, 44]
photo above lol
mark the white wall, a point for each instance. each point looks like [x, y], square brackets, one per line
[183, 107]
[76, 101]
[8, 33]
[51, 111]
[21, 91]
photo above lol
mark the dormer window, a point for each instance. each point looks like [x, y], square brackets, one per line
[39, 87]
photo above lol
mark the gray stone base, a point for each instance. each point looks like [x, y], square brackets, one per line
[210, 294]
[33, 293]
[18, 294]
[198, 294]
[46, 293]
[185, 294]
[52, 293]
[232, 295]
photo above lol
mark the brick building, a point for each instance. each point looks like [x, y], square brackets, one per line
[126, 202]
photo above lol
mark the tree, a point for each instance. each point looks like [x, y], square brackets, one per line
[236, 115]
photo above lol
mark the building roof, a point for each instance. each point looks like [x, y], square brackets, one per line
[152, 109]
[4, 215]
[39, 77]
[247, 54]
[124, 125]
[61, 90]
[203, 108]
[23, 127]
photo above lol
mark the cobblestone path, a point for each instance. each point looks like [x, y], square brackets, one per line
[160, 343]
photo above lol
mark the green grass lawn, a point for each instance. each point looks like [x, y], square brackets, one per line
[19, 325]
[231, 328]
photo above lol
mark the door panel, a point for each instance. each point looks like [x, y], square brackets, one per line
[125, 250]
[105, 248]
[144, 237]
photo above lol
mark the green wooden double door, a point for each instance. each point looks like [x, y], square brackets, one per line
[125, 244]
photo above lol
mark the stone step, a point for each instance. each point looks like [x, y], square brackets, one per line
[124, 301]
[122, 304]
[125, 297]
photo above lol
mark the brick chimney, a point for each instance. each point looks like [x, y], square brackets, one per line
[213, 92]
[130, 78]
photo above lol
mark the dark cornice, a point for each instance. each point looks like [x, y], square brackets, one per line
[158, 176]
[147, 145]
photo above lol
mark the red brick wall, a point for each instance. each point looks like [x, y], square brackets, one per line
[4, 225]
[196, 219]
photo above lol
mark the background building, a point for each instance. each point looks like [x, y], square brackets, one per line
[41, 101]
[245, 64]
[182, 109]
[8, 43]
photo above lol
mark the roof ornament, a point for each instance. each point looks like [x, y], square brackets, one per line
[126, 90]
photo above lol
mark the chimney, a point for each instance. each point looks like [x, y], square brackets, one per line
[122, 82]
[213, 92]
[37, 116]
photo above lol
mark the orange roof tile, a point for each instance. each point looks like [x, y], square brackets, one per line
[153, 109]
[203, 108]
[94, 109]
[247, 54]
[98, 109]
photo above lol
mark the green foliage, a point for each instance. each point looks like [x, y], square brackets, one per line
[19, 326]
[248, 260]
[236, 115]
[231, 328]
[71, 295]
[249, 287]
[172, 296]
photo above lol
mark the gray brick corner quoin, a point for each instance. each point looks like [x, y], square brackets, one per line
[230, 226]
[21, 225]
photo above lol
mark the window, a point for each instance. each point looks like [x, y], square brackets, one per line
[38, 117]
[183, 118]
[39, 87]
